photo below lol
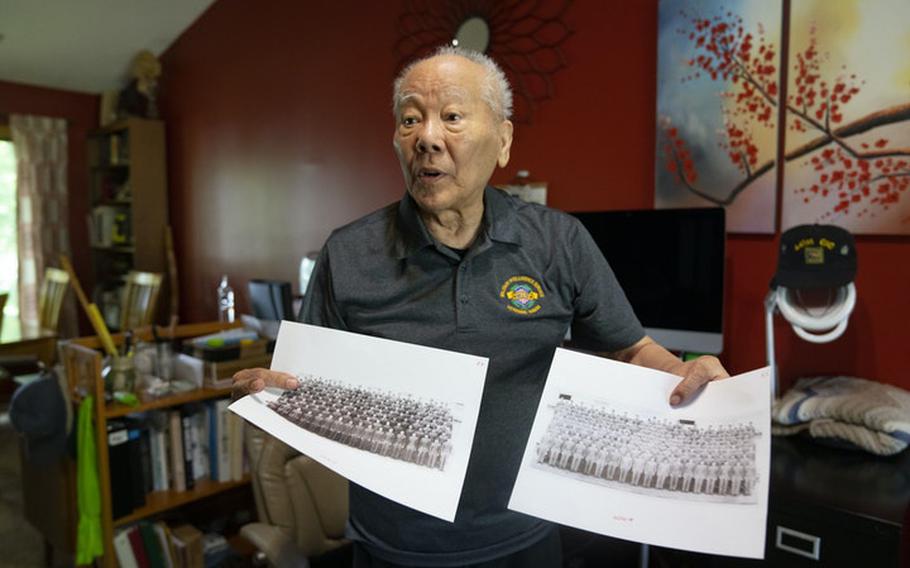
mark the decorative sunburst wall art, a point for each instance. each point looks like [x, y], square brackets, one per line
[718, 67]
[524, 37]
[848, 116]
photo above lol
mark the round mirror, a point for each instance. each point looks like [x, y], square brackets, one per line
[473, 33]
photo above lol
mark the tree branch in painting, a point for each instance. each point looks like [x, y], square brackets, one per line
[854, 177]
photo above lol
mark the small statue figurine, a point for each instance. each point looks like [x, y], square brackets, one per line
[139, 98]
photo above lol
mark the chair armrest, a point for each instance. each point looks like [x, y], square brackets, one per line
[276, 544]
[320, 502]
[268, 456]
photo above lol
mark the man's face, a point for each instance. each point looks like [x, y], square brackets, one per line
[447, 139]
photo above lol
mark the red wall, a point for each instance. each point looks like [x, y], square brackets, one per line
[81, 113]
[279, 130]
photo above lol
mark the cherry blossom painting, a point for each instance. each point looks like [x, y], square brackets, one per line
[848, 116]
[717, 107]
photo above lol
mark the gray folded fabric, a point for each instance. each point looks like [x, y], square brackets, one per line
[866, 414]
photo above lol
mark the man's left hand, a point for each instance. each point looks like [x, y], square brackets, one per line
[696, 374]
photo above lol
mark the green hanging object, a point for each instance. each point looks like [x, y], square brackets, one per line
[89, 543]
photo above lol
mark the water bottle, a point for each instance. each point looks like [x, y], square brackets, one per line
[225, 301]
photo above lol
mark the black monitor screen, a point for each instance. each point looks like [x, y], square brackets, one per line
[271, 299]
[670, 263]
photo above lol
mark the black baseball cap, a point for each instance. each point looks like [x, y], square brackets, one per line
[815, 256]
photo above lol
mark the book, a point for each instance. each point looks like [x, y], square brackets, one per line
[188, 540]
[189, 446]
[138, 546]
[175, 435]
[235, 441]
[120, 227]
[158, 449]
[136, 466]
[167, 548]
[118, 456]
[201, 442]
[124, 550]
[102, 223]
[224, 447]
[145, 456]
[152, 545]
[211, 415]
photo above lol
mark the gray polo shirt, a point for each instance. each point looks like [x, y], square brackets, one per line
[531, 273]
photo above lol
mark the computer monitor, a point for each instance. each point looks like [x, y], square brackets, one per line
[670, 263]
[271, 299]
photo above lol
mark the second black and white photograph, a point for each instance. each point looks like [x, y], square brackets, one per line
[608, 454]
[675, 458]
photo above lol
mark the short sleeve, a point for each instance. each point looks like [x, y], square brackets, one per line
[603, 318]
[319, 306]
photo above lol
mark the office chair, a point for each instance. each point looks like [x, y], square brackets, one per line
[50, 300]
[301, 506]
[140, 299]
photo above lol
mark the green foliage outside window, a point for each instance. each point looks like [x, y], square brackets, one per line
[9, 259]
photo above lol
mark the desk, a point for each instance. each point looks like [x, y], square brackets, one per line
[16, 339]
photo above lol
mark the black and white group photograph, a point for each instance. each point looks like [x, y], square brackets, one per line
[400, 427]
[678, 458]
[395, 418]
[607, 453]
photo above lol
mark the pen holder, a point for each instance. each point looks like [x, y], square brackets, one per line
[122, 377]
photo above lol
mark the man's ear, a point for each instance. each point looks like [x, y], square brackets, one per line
[505, 141]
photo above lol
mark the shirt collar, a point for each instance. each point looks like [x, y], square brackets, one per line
[500, 223]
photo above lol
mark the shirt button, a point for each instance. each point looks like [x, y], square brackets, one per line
[464, 299]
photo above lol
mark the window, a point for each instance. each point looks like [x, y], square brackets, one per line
[9, 258]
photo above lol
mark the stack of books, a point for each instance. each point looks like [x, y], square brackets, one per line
[156, 545]
[171, 450]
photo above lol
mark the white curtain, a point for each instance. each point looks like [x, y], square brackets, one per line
[40, 144]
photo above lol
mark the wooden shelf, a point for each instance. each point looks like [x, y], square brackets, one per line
[129, 152]
[83, 362]
[118, 249]
[115, 166]
[115, 409]
[160, 501]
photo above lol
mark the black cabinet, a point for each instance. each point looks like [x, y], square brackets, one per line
[827, 507]
[837, 507]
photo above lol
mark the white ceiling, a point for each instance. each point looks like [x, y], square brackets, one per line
[86, 45]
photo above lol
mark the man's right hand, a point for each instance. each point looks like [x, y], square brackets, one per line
[249, 381]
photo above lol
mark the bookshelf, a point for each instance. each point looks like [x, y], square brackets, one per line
[83, 363]
[128, 207]
[161, 501]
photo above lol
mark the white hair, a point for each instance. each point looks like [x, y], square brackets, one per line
[495, 89]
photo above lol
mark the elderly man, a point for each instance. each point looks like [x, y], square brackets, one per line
[461, 266]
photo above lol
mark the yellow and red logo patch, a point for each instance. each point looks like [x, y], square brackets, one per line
[522, 295]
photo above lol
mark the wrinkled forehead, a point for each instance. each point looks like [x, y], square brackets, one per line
[449, 79]
[423, 94]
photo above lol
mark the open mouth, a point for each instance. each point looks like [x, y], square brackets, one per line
[429, 174]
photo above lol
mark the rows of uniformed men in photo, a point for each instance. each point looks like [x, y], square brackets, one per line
[650, 453]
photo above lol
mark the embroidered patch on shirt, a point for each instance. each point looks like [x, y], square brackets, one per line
[523, 295]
